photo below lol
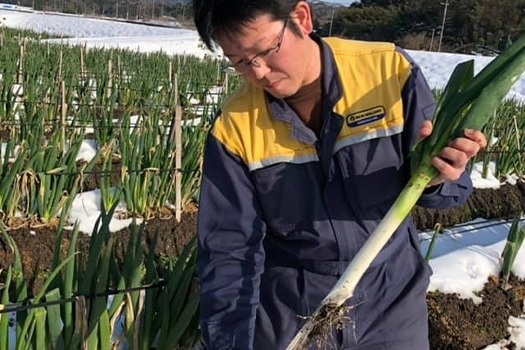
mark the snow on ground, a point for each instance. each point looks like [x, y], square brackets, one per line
[438, 66]
[105, 33]
[464, 256]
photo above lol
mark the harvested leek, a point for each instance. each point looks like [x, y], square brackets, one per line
[467, 103]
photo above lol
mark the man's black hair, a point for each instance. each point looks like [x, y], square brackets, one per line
[230, 16]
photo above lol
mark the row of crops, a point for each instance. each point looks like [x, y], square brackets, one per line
[53, 98]
[138, 110]
[506, 151]
[146, 116]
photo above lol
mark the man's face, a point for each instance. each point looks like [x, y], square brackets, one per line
[268, 54]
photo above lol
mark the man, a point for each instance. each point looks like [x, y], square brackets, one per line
[300, 166]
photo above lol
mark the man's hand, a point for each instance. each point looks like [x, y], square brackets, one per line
[453, 159]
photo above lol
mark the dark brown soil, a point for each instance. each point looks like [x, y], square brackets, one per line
[37, 245]
[459, 324]
[454, 323]
[506, 202]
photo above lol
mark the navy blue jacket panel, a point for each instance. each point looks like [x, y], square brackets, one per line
[282, 212]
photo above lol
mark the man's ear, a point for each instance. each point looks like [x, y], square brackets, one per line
[302, 15]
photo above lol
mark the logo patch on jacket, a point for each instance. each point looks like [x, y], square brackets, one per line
[367, 116]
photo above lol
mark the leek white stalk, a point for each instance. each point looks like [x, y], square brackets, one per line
[345, 286]
[467, 103]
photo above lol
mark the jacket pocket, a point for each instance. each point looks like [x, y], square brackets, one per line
[290, 196]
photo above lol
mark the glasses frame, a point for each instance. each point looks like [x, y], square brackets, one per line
[244, 66]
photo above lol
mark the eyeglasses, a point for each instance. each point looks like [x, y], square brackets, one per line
[243, 66]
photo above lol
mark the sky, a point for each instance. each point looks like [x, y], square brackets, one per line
[464, 256]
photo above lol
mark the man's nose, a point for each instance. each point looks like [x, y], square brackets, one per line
[260, 71]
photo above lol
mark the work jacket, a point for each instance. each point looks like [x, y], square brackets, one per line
[283, 211]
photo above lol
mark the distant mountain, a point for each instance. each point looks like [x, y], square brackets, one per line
[173, 2]
[315, 2]
[336, 3]
[148, 9]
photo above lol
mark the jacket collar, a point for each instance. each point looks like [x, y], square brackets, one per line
[332, 93]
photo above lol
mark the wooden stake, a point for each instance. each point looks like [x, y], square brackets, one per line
[110, 82]
[178, 151]
[82, 67]
[60, 58]
[170, 70]
[119, 68]
[226, 82]
[63, 114]
[20, 76]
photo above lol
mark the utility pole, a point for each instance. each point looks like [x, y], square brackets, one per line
[443, 24]
[331, 22]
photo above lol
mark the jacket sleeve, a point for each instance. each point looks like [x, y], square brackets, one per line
[230, 252]
[419, 105]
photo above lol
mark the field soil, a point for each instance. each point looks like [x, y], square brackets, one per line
[454, 323]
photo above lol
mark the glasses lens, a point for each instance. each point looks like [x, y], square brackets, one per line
[242, 67]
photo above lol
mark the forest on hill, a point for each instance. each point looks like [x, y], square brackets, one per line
[463, 26]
